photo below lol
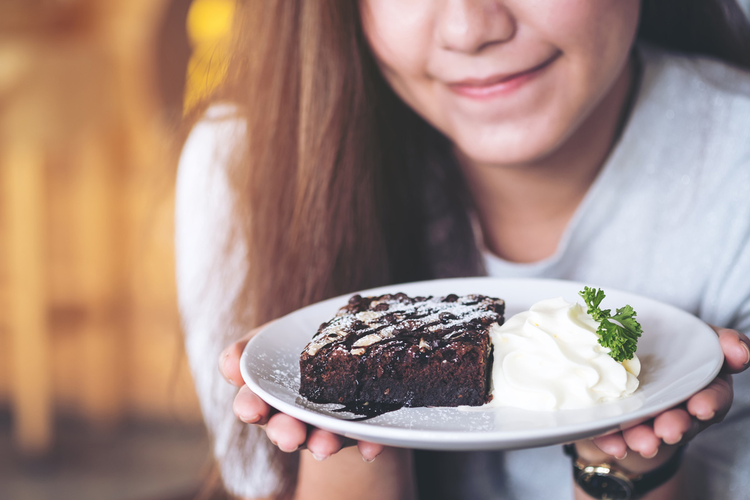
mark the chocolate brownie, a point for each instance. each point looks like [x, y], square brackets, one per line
[421, 351]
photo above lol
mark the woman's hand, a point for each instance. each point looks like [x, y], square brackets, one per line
[286, 432]
[682, 423]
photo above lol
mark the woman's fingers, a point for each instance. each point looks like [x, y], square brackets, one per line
[642, 439]
[681, 424]
[289, 434]
[736, 349]
[322, 444]
[713, 402]
[286, 432]
[229, 360]
[673, 425]
[250, 408]
[612, 444]
[369, 450]
[670, 427]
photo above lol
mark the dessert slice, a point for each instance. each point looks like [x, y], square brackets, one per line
[421, 351]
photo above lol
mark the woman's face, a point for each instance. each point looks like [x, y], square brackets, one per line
[508, 81]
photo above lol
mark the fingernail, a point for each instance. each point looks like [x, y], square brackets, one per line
[288, 450]
[652, 455]
[370, 460]
[623, 457]
[673, 441]
[319, 458]
[707, 416]
[747, 352]
[223, 368]
[251, 419]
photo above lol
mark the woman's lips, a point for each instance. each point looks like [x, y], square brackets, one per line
[498, 84]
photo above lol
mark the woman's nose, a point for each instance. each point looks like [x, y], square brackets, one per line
[471, 25]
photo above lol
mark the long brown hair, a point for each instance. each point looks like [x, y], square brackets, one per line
[341, 186]
[328, 187]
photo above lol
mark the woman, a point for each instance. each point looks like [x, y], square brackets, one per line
[384, 141]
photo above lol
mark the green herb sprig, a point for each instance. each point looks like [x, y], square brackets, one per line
[620, 335]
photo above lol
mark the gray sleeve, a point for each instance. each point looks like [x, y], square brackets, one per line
[210, 270]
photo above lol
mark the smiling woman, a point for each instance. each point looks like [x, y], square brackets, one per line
[486, 88]
[508, 83]
[373, 143]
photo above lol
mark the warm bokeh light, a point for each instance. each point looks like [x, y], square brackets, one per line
[209, 20]
[90, 97]
[209, 31]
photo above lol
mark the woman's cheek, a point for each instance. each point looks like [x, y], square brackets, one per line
[592, 34]
[595, 37]
[398, 32]
[578, 22]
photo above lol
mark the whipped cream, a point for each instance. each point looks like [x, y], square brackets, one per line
[549, 358]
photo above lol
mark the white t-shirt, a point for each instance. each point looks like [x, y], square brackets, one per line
[667, 217]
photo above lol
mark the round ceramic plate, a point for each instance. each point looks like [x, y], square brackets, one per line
[679, 354]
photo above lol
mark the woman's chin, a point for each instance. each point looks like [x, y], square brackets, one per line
[520, 144]
[506, 153]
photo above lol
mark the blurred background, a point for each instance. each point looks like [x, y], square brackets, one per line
[96, 401]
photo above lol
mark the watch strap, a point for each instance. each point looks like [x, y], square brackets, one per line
[651, 480]
[642, 483]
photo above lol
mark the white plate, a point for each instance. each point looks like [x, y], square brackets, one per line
[680, 355]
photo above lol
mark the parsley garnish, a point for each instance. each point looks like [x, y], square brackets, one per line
[620, 335]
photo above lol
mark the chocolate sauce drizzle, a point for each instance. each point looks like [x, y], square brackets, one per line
[367, 410]
[431, 322]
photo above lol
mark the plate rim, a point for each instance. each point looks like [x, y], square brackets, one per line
[453, 439]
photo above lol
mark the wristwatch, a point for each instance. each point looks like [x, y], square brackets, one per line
[606, 481]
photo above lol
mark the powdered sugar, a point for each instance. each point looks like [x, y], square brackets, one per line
[391, 315]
